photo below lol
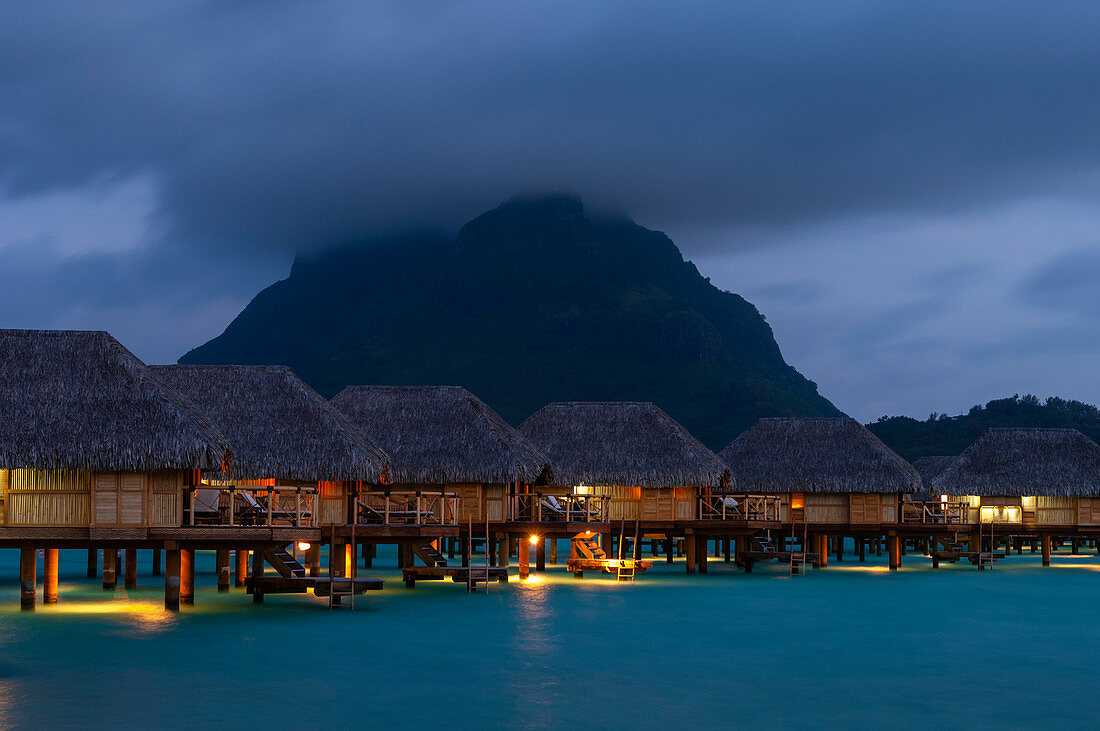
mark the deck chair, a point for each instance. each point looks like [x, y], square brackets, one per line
[255, 512]
[552, 509]
[730, 504]
[205, 506]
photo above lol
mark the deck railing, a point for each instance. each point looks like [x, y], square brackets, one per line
[739, 507]
[247, 505]
[407, 508]
[545, 507]
[935, 512]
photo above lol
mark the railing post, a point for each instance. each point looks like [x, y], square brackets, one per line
[232, 501]
[297, 506]
[191, 503]
[386, 507]
[270, 508]
[418, 518]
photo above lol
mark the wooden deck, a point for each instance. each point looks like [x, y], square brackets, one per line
[302, 584]
[459, 574]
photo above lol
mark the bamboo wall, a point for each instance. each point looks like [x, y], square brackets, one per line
[1088, 511]
[48, 498]
[846, 508]
[3, 496]
[332, 504]
[637, 503]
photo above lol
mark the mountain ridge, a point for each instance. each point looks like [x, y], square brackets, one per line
[531, 302]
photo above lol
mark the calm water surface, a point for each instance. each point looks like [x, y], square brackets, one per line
[852, 645]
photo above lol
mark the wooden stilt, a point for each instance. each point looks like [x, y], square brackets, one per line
[894, 549]
[689, 546]
[172, 579]
[701, 553]
[524, 551]
[109, 578]
[839, 549]
[93, 563]
[187, 576]
[669, 548]
[726, 549]
[241, 567]
[258, 573]
[540, 555]
[156, 562]
[861, 548]
[553, 550]
[130, 569]
[222, 558]
[49, 578]
[502, 550]
[314, 560]
[1046, 550]
[28, 578]
[823, 550]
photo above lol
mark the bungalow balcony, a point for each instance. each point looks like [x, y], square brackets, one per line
[407, 508]
[936, 512]
[737, 507]
[250, 506]
[559, 507]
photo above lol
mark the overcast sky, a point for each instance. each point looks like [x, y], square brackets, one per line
[909, 194]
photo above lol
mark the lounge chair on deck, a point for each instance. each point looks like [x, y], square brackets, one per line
[254, 512]
[206, 506]
[552, 509]
[370, 514]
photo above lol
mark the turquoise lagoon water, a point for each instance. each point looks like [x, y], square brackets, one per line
[850, 645]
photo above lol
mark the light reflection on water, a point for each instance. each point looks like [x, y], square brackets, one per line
[665, 651]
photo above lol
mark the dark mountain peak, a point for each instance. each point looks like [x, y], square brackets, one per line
[535, 301]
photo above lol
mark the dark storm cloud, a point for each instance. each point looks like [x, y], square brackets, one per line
[290, 124]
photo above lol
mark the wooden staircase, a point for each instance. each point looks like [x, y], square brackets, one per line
[589, 547]
[283, 562]
[430, 555]
[798, 560]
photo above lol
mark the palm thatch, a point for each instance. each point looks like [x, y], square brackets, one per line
[442, 435]
[837, 455]
[279, 427]
[1025, 462]
[622, 444]
[929, 467]
[80, 400]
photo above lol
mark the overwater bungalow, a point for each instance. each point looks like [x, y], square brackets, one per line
[649, 468]
[298, 467]
[833, 475]
[95, 452]
[454, 462]
[1037, 482]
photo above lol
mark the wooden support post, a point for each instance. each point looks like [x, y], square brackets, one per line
[156, 562]
[502, 550]
[935, 559]
[258, 574]
[28, 578]
[607, 543]
[187, 576]
[450, 547]
[172, 579]
[739, 548]
[861, 548]
[669, 548]
[1074, 545]
[465, 544]
[1046, 550]
[369, 551]
[726, 549]
[241, 567]
[823, 550]
[524, 551]
[109, 578]
[49, 577]
[553, 550]
[130, 569]
[314, 558]
[540, 555]
[878, 546]
[222, 557]
[701, 553]
[717, 547]
[689, 546]
[894, 548]
[93, 563]
[839, 549]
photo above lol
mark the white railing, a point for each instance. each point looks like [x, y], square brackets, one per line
[935, 512]
[739, 507]
[248, 505]
[544, 507]
[407, 508]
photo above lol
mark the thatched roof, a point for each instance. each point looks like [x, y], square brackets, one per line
[79, 400]
[816, 455]
[279, 427]
[621, 444]
[929, 467]
[1025, 462]
[441, 435]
